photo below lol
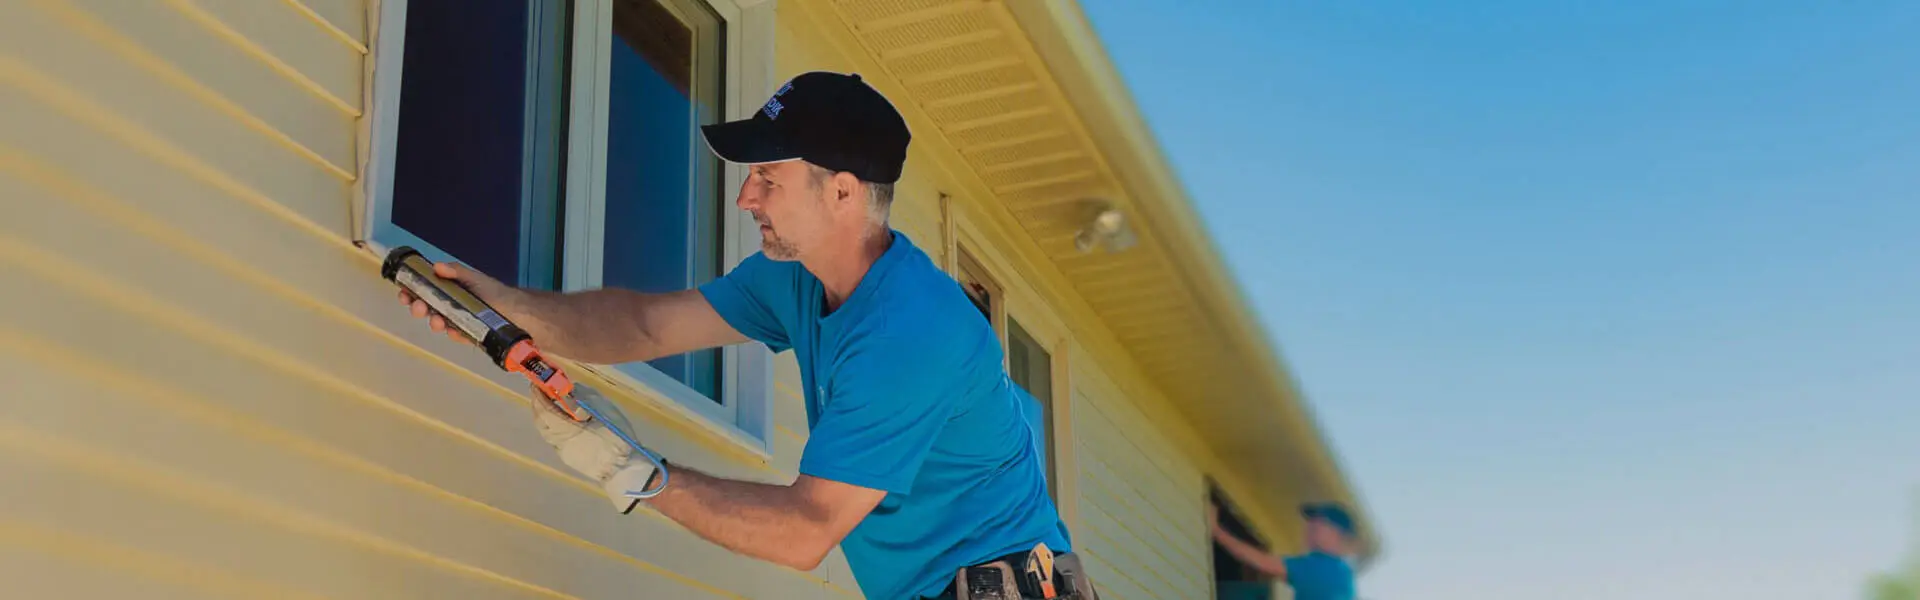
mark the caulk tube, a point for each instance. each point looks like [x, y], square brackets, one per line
[461, 309]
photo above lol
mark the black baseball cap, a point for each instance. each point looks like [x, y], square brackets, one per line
[1331, 513]
[833, 120]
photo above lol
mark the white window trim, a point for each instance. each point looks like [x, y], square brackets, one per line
[744, 414]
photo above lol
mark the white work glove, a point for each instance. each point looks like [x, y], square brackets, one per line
[590, 448]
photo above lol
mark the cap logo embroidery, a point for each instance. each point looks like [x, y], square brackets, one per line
[773, 107]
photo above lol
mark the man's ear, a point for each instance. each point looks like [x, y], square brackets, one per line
[846, 188]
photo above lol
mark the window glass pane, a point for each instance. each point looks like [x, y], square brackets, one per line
[1032, 369]
[465, 162]
[663, 203]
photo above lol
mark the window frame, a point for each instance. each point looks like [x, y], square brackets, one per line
[743, 413]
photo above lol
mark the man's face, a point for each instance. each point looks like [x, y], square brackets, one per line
[1325, 536]
[790, 208]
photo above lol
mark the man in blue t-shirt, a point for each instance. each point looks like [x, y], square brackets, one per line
[1322, 573]
[920, 462]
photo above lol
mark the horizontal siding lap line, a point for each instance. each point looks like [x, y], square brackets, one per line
[1095, 560]
[85, 110]
[127, 48]
[159, 393]
[1114, 405]
[1164, 560]
[1127, 574]
[1145, 558]
[1106, 406]
[1123, 435]
[1176, 437]
[1136, 489]
[239, 40]
[157, 567]
[1194, 507]
[1147, 506]
[13, 162]
[329, 26]
[1183, 557]
[187, 488]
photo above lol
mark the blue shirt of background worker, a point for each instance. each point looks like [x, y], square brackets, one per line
[1323, 572]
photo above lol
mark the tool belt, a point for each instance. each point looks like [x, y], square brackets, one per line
[1024, 576]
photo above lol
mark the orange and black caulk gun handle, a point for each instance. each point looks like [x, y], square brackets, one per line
[509, 346]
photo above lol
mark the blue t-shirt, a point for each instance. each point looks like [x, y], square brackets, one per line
[1320, 576]
[905, 393]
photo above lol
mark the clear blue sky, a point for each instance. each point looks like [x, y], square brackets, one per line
[1597, 300]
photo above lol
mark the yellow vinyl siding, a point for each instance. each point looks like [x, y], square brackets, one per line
[1140, 497]
[130, 95]
[209, 377]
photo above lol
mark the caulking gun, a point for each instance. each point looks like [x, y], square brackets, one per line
[509, 346]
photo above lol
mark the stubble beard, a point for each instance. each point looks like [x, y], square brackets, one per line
[778, 249]
[772, 245]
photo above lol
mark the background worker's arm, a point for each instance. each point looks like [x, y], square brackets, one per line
[1248, 554]
[793, 525]
[597, 326]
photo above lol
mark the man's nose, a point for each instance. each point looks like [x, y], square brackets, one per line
[748, 199]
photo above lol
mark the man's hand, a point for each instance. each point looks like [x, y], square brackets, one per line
[794, 525]
[509, 301]
[591, 448]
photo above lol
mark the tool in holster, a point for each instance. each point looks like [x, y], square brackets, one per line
[1038, 577]
[1037, 574]
[510, 347]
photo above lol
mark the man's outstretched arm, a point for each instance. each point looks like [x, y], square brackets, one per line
[607, 325]
[1248, 554]
[794, 525]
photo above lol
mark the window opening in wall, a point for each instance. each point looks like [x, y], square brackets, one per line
[1232, 579]
[554, 144]
[664, 83]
